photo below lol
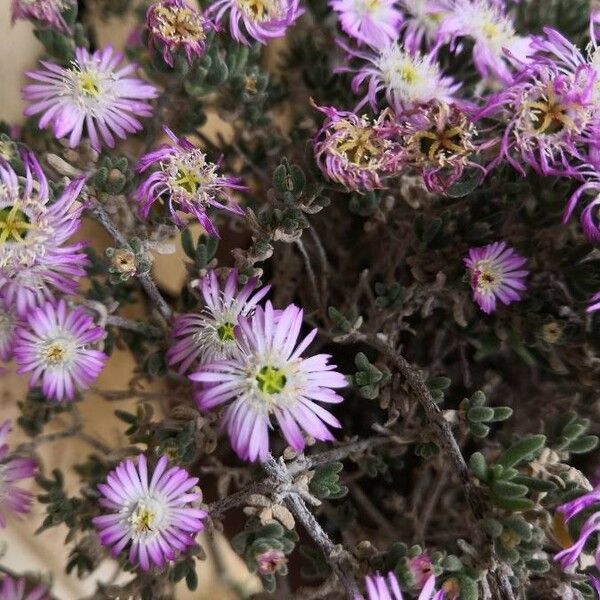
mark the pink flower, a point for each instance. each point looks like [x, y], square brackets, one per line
[46, 12]
[421, 23]
[150, 513]
[53, 345]
[12, 469]
[92, 92]
[15, 589]
[374, 22]
[496, 274]
[262, 20]
[209, 335]
[387, 588]
[267, 378]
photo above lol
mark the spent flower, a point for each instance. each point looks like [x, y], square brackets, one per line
[46, 12]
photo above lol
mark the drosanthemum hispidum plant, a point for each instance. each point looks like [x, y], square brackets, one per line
[406, 79]
[260, 20]
[267, 378]
[357, 152]
[55, 346]
[46, 12]
[35, 261]
[209, 335]
[175, 25]
[149, 512]
[496, 273]
[12, 470]
[94, 93]
[18, 589]
[495, 43]
[187, 182]
[374, 22]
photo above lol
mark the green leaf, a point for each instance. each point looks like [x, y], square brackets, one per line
[583, 444]
[537, 485]
[501, 413]
[191, 580]
[479, 429]
[438, 383]
[512, 504]
[480, 414]
[187, 243]
[478, 466]
[492, 527]
[507, 489]
[521, 450]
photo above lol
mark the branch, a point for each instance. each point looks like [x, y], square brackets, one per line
[338, 558]
[97, 211]
[136, 326]
[497, 578]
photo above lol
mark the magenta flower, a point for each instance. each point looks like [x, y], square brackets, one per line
[421, 23]
[493, 34]
[439, 141]
[12, 469]
[569, 556]
[93, 91]
[496, 274]
[175, 25]
[421, 568]
[407, 80]
[548, 115]
[46, 12]
[356, 152]
[374, 22]
[271, 561]
[54, 346]
[34, 259]
[268, 377]
[187, 182]
[262, 20]
[387, 588]
[209, 335]
[150, 514]
[16, 589]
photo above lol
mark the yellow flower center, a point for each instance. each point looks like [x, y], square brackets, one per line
[357, 144]
[142, 518]
[271, 380]
[14, 224]
[55, 354]
[179, 24]
[491, 30]
[408, 73]
[259, 10]
[188, 180]
[89, 84]
[548, 115]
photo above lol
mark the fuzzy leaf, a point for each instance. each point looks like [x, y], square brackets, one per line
[521, 450]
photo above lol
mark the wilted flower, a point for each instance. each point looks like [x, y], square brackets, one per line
[268, 377]
[485, 22]
[13, 469]
[262, 19]
[270, 561]
[150, 515]
[357, 152]
[549, 114]
[175, 25]
[93, 92]
[209, 335]
[16, 589]
[374, 22]
[407, 79]
[54, 345]
[47, 12]
[421, 22]
[33, 260]
[571, 509]
[187, 182]
[439, 141]
[496, 274]
[387, 588]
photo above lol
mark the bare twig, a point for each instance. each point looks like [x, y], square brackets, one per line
[338, 558]
[136, 326]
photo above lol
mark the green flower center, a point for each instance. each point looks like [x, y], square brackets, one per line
[14, 224]
[270, 380]
[188, 180]
[225, 332]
